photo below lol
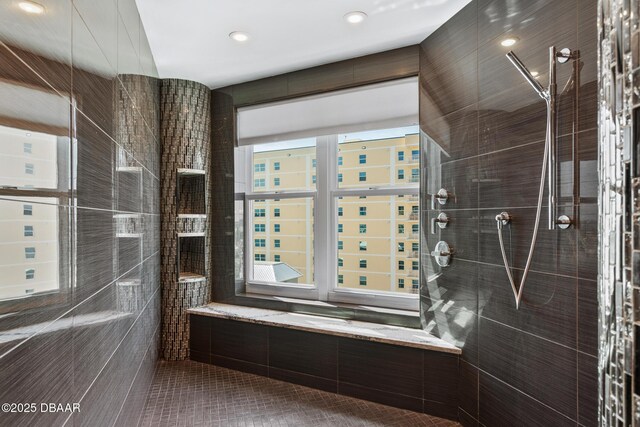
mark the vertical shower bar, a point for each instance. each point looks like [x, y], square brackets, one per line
[551, 134]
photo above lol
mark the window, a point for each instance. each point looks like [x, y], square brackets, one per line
[415, 155]
[28, 231]
[27, 209]
[414, 265]
[29, 273]
[400, 265]
[260, 257]
[415, 229]
[415, 246]
[28, 168]
[259, 167]
[400, 228]
[27, 147]
[400, 156]
[353, 203]
[400, 246]
[260, 213]
[415, 284]
[30, 253]
[415, 175]
[414, 210]
[401, 283]
[400, 210]
[259, 228]
[259, 183]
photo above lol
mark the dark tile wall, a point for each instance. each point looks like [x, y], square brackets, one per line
[484, 130]
[83, 71]
[408, 378]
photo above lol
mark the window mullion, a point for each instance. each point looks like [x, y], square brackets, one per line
[323, 222]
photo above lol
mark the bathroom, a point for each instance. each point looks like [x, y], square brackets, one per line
[382, 212]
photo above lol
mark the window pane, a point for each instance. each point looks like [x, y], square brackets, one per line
[239, 238]
[373, 241]
[283, 166]
[374, 158]
[283, 250]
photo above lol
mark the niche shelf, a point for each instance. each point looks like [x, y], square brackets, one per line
[190, 192]
[191, 259]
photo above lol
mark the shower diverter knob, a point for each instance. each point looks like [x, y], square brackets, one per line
[442, 253]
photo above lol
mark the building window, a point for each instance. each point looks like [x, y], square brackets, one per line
[340, 262]
[339, 177]
[362, 176]
[400, 173]
[340, 228]
[400, 156]
[414, 265]
[260, 213]
[28, 168]
[363, 211]
[415, 284]
[276, 258]
[415, 155]
[363, 263]
[414, 210]
[276, 228]
[313, 163]
[340, 161]
[340, 245]
[362, 245]
[276, 212]
[276, 182]
[415, 175]
[259, 228]
[30, 253]
[415, 228]
[276, 166]
[27, 147]
[259, 167]
[400, 228]
[401, 283]
[362, 159]
[29, 273]
[276, 243]
[260, 243]
[400, 246]
[415, 247]
[340, 211]
[313, 179]
[28, 231]
[340, 279]
[400, 265]
[259, 183]
[260, 257]
[400, 210]
[363, 280]
[363, 228]
[27, 209]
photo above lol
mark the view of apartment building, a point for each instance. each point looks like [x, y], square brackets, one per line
[378, 236]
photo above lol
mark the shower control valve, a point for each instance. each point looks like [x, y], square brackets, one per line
[442, 253]
[441, 196]
[442, 220]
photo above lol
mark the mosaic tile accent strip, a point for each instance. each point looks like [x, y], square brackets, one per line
[185, 178]
[619, 229]
[189, 393]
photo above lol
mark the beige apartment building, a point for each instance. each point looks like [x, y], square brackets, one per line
[378, 236]
[29, 241]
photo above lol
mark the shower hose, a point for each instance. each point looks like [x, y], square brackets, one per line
[517, 290]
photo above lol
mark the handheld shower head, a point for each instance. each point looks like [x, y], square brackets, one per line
[527, 75]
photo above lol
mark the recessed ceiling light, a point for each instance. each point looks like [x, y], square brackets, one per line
[509, 41]
[239, 36]
[355, 17]
[31, 7]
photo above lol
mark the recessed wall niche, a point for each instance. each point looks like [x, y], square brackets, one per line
[186, 208]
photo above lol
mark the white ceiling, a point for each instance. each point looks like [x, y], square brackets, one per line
[189, 38]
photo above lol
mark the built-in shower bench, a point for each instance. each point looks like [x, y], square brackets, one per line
[397, 366]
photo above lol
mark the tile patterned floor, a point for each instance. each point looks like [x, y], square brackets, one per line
[195, 394]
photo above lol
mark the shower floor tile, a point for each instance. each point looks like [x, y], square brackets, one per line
[195, 394]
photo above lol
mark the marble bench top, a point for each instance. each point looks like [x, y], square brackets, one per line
[388, 334]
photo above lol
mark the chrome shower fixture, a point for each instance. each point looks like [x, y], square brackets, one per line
[527, 75]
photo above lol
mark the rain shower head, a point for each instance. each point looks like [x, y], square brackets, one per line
[527, 75]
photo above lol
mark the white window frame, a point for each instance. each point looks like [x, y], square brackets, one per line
[325, 197]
